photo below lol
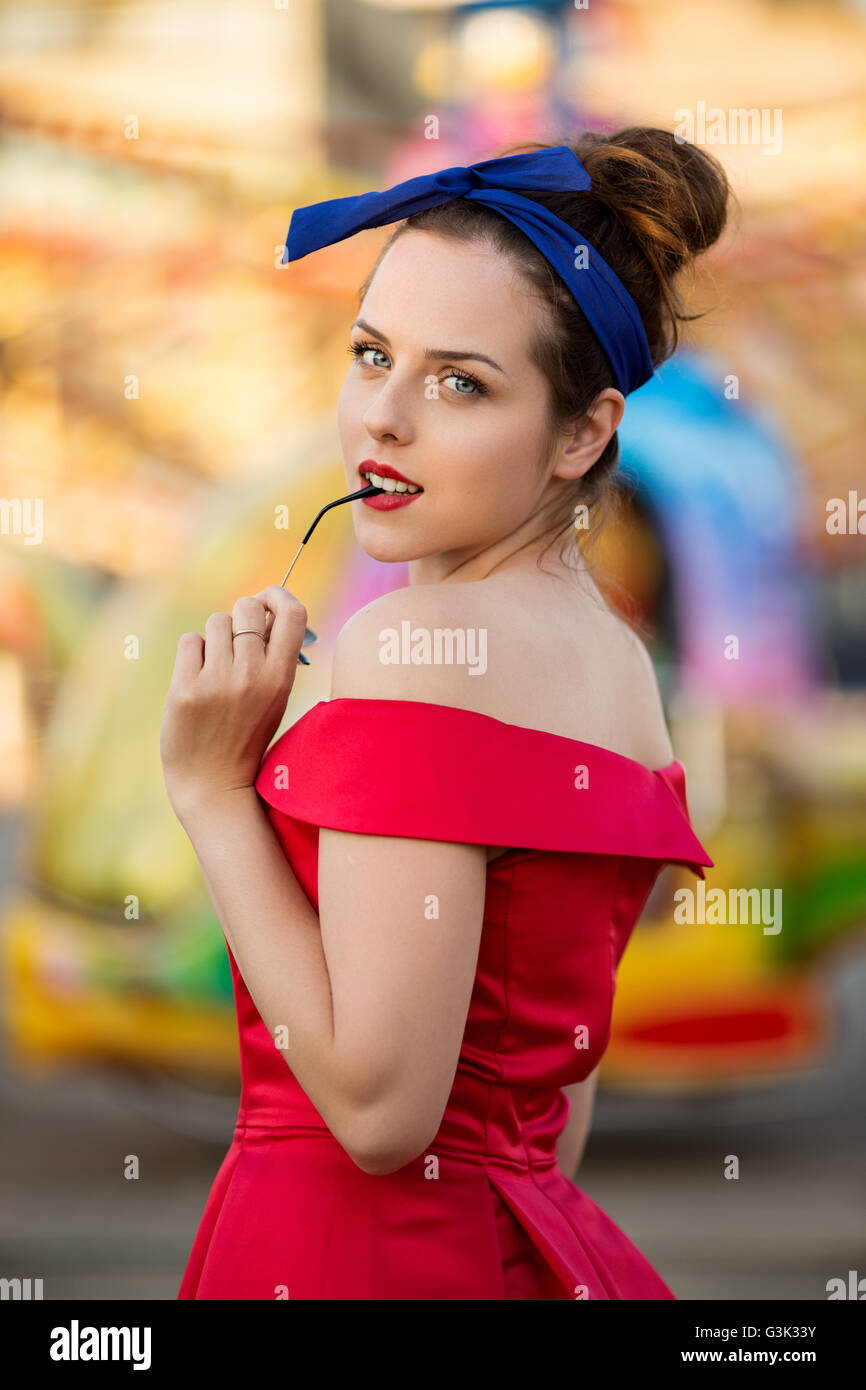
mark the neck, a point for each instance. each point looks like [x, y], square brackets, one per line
[514, 556]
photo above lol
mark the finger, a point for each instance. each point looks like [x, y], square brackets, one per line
[249, 650]
[218, 644]
[288, 627]
[189, 658]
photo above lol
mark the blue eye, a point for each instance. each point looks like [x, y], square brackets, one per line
[480, 388]
[357, 350]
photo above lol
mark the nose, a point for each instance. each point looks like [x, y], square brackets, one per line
[389, 414]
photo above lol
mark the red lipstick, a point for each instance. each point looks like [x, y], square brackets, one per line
[387, 501]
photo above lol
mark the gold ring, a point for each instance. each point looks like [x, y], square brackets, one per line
[242, 630]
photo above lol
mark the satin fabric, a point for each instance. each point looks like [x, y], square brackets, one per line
[484, 1213]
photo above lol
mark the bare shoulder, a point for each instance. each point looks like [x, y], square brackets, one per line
[422, 642]
[658, 744]
[547, 660]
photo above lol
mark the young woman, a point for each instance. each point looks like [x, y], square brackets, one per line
[427, 883]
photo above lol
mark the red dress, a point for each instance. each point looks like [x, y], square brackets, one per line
[484, 1212]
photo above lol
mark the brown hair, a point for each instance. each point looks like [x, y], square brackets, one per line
[654, 205]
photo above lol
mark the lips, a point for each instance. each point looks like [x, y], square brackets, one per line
[384, 470]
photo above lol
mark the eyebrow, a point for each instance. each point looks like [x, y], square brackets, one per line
[434, 354]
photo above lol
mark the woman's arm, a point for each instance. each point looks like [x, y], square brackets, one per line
[274, 936]
[572, 1138]
[371, 1000]
[373, 993]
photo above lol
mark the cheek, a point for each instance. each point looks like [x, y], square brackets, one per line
[503, 456]
[343, 400]
[348, 408]
[512, 479]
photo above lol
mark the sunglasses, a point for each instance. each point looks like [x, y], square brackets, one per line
[309, 635]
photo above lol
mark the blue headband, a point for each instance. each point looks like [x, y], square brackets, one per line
[606, 303]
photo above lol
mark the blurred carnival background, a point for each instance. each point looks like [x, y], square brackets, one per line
[167, 404]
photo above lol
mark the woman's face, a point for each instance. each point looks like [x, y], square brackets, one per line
[420, 398]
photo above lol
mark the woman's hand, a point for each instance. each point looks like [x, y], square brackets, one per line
[227, 697]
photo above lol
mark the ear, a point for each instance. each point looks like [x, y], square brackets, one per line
[579, 448]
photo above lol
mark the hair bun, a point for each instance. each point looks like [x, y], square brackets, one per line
[672, 196]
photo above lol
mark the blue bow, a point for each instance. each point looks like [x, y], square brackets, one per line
[606, 303]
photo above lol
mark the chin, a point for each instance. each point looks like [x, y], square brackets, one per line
[391, 548]
[387, 551]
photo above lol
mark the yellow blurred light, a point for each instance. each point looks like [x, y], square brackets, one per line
[436, 73]
[505, 51]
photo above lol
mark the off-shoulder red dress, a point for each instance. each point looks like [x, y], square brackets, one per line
[484, 1213]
